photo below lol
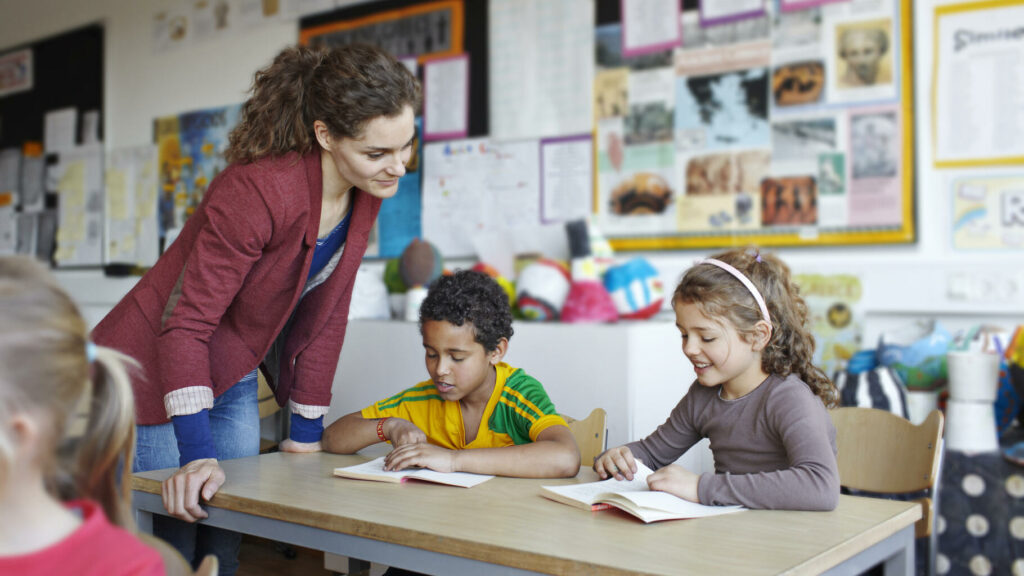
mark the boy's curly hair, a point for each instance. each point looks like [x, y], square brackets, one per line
[474, 297]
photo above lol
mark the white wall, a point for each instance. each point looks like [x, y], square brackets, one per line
[900, 282]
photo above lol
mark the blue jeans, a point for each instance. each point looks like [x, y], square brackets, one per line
[235, 425]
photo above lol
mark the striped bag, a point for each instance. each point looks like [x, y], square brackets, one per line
[879, 388]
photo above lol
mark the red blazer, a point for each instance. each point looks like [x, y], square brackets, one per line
[241, 262]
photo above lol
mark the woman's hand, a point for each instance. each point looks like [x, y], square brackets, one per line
[676, 480]
[402, 432]
[289, 445]
[182, 490]
[617, 462]
[422, 455]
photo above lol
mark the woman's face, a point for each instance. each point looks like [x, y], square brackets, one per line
[375, 161]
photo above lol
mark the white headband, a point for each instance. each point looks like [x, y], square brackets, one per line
[746, 282]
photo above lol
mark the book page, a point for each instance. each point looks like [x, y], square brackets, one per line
[591, 491]
[674, 506]
[375, 468]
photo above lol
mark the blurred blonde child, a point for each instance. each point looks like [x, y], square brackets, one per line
[62, 513]
[757, 397]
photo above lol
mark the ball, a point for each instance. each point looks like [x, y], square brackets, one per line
[636, 288]
[541, 289]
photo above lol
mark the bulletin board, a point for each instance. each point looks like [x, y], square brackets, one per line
[423, 29]
[775, 127]
[67, 71]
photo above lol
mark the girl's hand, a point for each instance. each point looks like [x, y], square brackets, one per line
[675, 480]
[402, 432]
[182, 490]
[289, 445]
[422, 455]
[617, 462]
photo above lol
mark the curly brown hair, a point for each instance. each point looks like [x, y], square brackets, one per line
[345, 87]
[790, 349]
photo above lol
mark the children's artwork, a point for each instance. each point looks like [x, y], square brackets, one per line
[190, 152]
[787, 126]
[988, 213]
[834, 304]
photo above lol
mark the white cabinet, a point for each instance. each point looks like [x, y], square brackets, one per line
[635, 370]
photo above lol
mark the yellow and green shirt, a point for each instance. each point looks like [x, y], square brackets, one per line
[519, 410]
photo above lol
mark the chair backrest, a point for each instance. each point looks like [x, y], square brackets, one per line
[884, 453]
[174, 563]
[591, 435]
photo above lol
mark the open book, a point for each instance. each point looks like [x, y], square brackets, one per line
[374, 470]
[633, 496]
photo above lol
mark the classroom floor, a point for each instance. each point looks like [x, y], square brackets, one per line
[260, 557]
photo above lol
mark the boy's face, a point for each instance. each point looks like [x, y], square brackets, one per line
[459, 365]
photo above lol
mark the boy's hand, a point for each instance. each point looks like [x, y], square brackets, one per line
[617, 462]
[675, 480]
[422, 455]
[402, 432]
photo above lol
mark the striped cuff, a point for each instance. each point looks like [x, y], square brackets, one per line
[306, 430]
[188, 400]
[195, 439]
[307, 410]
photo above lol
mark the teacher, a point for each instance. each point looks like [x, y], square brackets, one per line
[261, 276]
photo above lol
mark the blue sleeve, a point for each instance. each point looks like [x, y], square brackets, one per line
[306, 430]
[195, 440]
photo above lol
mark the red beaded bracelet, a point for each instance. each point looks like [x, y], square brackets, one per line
[380, 430]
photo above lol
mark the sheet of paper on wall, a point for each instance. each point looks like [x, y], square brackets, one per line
[132, 227]
[446, 98]
[649, 26]
[475, 186]
[59, 130]
[540, 53]
[567, 178]
[8, 225]
[10, 170]
[33, 177]
[80, 207]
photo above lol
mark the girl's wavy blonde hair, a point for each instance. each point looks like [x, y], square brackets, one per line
[45, 372]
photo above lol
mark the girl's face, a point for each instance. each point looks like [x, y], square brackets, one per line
[718, 353]
[459, 365]
[375, 162]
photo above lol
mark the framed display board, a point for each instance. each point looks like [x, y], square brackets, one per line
[767, 126]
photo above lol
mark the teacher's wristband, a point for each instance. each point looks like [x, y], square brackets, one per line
[380, 430]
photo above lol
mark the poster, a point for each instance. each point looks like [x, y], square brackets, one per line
[988, 213]
[834, 304]
[190, 152]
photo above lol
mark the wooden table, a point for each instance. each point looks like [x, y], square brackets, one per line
[504, 526]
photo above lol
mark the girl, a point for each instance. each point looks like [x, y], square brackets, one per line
[758, 398]
[261, 276]
[61, 517]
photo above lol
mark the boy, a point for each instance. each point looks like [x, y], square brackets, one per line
[472, 400]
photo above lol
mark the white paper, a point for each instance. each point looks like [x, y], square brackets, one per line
[979, 86]
[725, 9]
[540, 54]
[91, 127]
[567, 180]
[8, 230]
[131, 216]
[474, 186]
[446, 98]
[649, 25]
[59, 130]
[80, 207]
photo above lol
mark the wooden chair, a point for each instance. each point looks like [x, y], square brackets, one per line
[883, 453]
[591, 435]
[174, 563]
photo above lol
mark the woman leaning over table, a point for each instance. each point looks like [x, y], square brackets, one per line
[261, 276]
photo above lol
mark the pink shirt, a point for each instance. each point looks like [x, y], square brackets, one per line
[96, 548]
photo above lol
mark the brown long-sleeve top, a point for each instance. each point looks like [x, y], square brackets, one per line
[774, 448]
